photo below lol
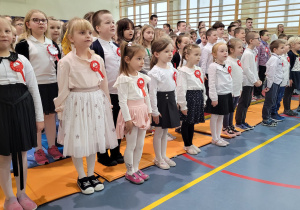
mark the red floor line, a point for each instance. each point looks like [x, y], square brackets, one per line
[284, 115]
[242, 176]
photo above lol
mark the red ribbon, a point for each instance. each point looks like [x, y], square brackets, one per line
[141, 84]
[17, 66]
[175, 77]
[229, 70]
[119, 51]
[53, 54]
[239, 63]
[198, 75]
[256, 58]
[267, 50]
[95, 66]
[282, 64]
[288, 59]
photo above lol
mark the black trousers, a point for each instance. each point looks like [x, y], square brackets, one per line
[262, 77]
[244, 103]
[270, 101]
[187, 133]
[287, 97]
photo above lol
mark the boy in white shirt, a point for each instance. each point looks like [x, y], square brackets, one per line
[274, 75]
[181, 27]
[250, 78]
[219, 26]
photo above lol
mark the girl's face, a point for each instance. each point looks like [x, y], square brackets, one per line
[6, 36]
[238, 50]
[202, 25]
[148, 34]
[137, 61]
[128, 33]
[184, 42]
[222, 53]
[107, 25]
[203, 39]
[38, 24]
[281, 28]
[81, 38]
[194, 56]
[54, 29]
[165, 55]
[167, 29]
[194, 38]
[287, 48]
[296, 46]
[138, 34]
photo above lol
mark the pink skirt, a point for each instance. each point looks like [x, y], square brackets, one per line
[139, 115]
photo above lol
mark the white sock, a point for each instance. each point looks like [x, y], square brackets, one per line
[213, 126]
[131, 140]
[78, 163]
[5, 177]
[90, 160]
[157, 142]
[164, 143]
[137, 154]
[17, 178]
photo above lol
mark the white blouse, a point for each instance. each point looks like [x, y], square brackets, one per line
[206, 57]
[129, 90]
[8, 76]
[219, 81]
[161, 81]
[237, 75]
[286, 70]
[250, 72]
[187, 80]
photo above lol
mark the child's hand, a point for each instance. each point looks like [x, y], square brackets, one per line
[258, 83]
[39, 126]
[156, 119]
[291, 83]
[128, 126]
[178, 106]
[214, 103]
[267, 89]
[149, 115]
[184, 112]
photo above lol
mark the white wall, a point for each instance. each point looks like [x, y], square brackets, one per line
[60, 9]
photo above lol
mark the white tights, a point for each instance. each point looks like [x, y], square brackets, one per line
[78, 163]
[50, 129]
[160, 143]
[5, 177]
[134, 149]
[216, 124]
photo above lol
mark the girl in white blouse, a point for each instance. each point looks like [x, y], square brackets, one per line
[162, 94]
[21, 116]
[134, 116]
[220, 92]
[191, 95]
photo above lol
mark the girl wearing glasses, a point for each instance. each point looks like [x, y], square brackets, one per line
[43, 55]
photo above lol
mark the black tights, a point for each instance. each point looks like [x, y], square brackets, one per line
[187, 132]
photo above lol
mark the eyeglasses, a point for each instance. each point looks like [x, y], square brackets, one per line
[20, 24]
[37, 20]
[259, 39]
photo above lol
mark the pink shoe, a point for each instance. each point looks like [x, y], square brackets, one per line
[40, 157]
[134, 178]
[12, 204]
[55, 153]
[142, 175]
[26, 202]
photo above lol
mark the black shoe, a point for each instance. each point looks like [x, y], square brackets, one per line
[119, 158]
[97, 185]
[178, 130]
[116, 155]
[85, 186]
[104, 159]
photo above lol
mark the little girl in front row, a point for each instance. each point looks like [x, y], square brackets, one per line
[21, 117]
[163, 101]
[220, 92]
[191, 95]
[235, 50]
[83, 104]
[135, 115]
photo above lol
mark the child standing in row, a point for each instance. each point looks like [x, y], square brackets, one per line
[220, 92]
[135, 115]
[235, 50]
[181, 42]
[147, 37]
[191, 95]
[274, 75]
[21, 117]
[83, 105]
[43, 55]
[163, 99]
[54, 30]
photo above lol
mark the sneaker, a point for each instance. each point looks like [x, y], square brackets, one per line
[96, 184]
[238, 133]
[26, 202]
[40, 157]
[170, 162]
[226, 142]
[178, 130]
[85, 186]
[249, 126]
[171, 136]
[55, 153]
[161, 164]
[228, 132]
[298, 109]
[219, 143]
[196, 148]
[12, 204]
[190, 150]
[144, 176]
[290, 113]
[253, 98]
[243, 127]
[277, 117]
[134, 178]
[269, 123]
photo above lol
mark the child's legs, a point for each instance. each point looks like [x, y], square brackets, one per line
[138, 149]
[244, 103]
[276, 107]
[50, 129]
[185, 134]
[157, 142]
[288, 92]
[235, 101]
[270, 99]
[18, 180]
[191, 133]
[39, 140]
[131, 140]
[5, 177]
[164, 143]
[90, 160]
[226, 120]
[213, 126]
[78, 163]
[219, 125]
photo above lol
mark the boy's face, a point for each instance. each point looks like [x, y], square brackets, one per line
[241, 35]
[232, 30]
[255, 41]
[106, 26]
[213, 37]
[296, 46]
[19, 25]
[182, 27]
[249, 23]
[286, 48]
[220, 32]
[280, 50]
[154, 22]
[265, 37]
